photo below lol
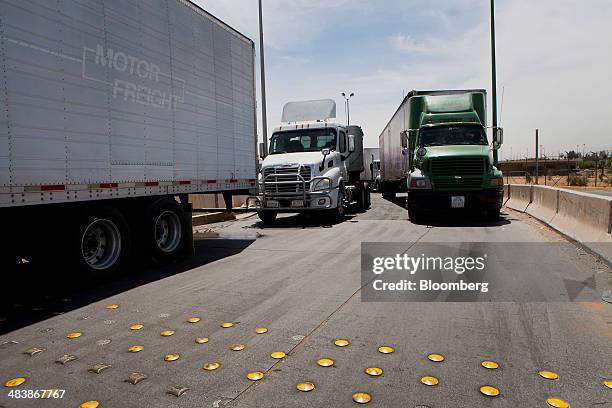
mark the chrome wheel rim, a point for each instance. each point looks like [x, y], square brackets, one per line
[101, 244]
[168, 231]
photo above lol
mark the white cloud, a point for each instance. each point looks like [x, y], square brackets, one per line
[405, 43]
[287, 24]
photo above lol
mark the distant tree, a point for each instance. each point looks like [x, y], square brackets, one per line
[572, 155]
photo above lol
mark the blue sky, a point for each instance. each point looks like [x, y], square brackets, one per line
[554, 60]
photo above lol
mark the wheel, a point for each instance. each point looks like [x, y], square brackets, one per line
[166, 230]
[416, 216]
[362, 202]
[366, 199]
[414, 212]
[104, 241]
[492, 214]
[337, 214]
[267, 217]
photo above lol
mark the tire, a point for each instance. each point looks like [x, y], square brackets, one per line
[492, 214]
[103, 242]
[267, 217]
[362, 203]
[368, 200]
[166, 230]
[387, 192]
[416, 216]
[337, 214]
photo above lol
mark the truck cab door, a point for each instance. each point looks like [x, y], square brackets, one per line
[343, 149]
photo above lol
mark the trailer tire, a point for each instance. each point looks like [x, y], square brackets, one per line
[103, 242]
[166, 230]
[267, 217]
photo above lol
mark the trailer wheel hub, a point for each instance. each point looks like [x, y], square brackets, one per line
[101, 244]
[168, 231]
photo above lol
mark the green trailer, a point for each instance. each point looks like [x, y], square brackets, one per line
[435, 147]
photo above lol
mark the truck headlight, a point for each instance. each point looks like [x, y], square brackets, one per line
[497, 182]
[321, 185]
[419, 182]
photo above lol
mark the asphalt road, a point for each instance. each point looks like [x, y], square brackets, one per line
[302, 282]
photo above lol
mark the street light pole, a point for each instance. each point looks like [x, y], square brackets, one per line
[347, 106]
[264, 116]
[493, 77]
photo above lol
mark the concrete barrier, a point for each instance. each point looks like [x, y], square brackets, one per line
[520, 197]
[544, 203]
[584, 217]
[215, 200]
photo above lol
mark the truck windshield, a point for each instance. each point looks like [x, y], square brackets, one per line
[453, 135]
[303, 140]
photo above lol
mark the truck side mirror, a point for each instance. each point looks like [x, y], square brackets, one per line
[412, 139]
[351, 143]
[411, 145]
[404, 139]
[498, 137]
[262, 150]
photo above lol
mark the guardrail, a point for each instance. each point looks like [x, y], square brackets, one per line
[583, 217]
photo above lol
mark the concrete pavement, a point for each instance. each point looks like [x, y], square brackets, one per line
[301, 280]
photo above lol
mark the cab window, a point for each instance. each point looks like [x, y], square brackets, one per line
[342, 142]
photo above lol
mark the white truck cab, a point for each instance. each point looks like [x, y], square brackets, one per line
[311, 163]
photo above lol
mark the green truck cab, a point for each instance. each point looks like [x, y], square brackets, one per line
[446, 158]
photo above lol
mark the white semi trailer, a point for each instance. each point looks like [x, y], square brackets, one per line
[371, 167]
[114, 111]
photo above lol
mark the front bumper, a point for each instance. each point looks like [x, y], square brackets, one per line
[490, 198]
[309, 202]
[277, 195]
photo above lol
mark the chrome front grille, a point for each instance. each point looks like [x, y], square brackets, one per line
[287, 180]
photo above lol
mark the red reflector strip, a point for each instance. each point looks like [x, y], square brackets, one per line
[56, 187]
[184, 182]
[109, 185]
[211, 181]
[151, 183]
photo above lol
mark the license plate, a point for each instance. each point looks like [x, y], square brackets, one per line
[272, 204]
[297, 203]
[457, 201]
